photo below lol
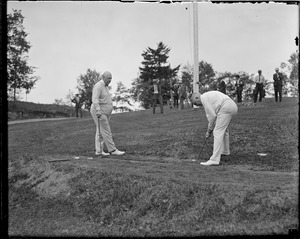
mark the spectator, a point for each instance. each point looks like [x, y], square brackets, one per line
[188, 94]
[259, 86]
[239, 88]
[168, 97]
[278, 82]
[78, 104]
[182, 95]
[222, 87]
[175, 95]
[157, 97]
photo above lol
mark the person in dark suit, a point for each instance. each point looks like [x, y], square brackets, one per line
[77, 100]
[175, 95]
[182, 95]
[239, 88]
[157, 96]
[278, 82]
[222, 87]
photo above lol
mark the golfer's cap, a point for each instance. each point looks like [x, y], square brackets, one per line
[276, 69]
[195, 96]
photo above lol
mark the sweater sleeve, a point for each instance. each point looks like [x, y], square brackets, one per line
[96, 95]
[210, 113]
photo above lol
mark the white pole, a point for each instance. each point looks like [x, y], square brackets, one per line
[196, 61]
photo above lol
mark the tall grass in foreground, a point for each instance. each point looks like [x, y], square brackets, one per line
[120, 204]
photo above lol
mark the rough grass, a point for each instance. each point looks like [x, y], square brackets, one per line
[122, 204]
[164, 196]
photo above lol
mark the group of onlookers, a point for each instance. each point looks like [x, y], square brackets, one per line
[176, 96]
[259, 89]
[260, 83]
[180, 92]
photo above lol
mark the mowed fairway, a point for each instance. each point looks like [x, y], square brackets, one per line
[156, 189]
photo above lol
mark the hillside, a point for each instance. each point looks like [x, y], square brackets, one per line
[156, 189]
[18, 110]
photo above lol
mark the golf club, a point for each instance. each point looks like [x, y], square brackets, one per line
[99, 135]
[202, 148]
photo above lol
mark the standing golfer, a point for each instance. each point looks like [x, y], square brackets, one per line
[219, 109]
[101, 109]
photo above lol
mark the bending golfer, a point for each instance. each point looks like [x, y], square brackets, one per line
[101, 108]
[219, 109]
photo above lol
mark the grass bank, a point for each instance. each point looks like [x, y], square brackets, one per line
[18, 110]
[155, 190]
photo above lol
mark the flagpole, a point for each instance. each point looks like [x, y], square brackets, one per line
[196, 53]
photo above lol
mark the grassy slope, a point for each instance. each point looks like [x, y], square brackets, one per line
[28, 110]
[161, 192]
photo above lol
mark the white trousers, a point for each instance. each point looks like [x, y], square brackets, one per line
[105, 131]
[221, 131]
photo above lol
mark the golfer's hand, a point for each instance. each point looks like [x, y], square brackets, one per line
[208, 134]
[98, 114]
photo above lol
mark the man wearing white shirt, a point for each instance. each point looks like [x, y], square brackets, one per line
[259, 86]
[219, 109]
[101, 109]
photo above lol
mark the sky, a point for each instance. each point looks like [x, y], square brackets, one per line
[68, 38]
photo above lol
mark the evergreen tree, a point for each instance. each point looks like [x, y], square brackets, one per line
[155, 66]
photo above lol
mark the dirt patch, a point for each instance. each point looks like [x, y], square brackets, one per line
[44, 179]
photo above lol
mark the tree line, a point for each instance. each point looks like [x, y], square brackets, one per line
[155, 65]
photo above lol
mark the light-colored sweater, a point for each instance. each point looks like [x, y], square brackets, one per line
[101, 98]
[212, 102]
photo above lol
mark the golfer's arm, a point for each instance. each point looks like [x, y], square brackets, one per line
[96, 95]
[211, 117]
